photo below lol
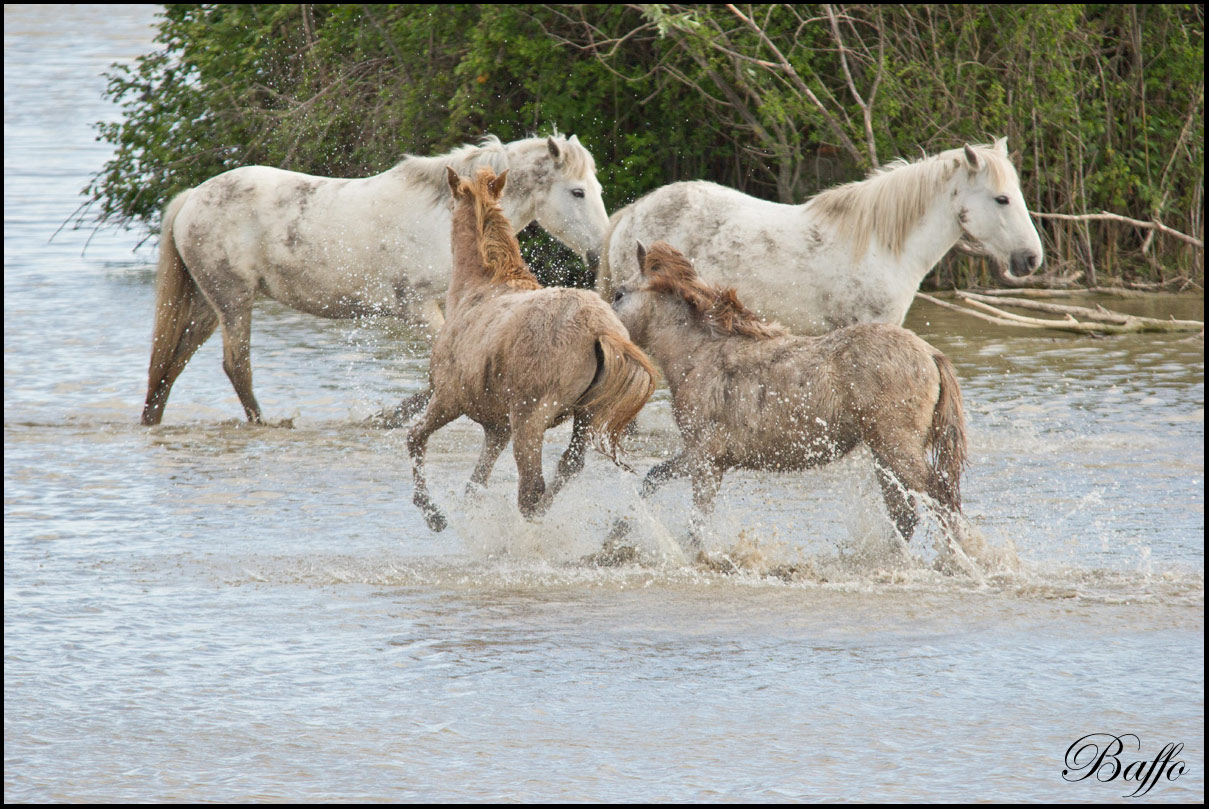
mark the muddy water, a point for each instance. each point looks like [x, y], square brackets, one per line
[207, 611]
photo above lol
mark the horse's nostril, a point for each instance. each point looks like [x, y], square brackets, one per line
[1025, 261]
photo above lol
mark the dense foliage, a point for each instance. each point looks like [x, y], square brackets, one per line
[1103, 103]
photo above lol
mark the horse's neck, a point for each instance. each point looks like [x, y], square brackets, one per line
[518, 199]
[467, 273]
[678, 346]
[934, 235]
[929, 238]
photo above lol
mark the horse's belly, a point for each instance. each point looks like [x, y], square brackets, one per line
[776, 443]
[781, 458]
[343, 293]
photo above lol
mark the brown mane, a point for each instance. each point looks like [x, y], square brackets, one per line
[500, 251]
[719, 307]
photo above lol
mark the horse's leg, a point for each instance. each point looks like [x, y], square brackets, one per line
[707, 479]
[235, 315]
[572, 461]
[660, 474]
[527, 433]
[403, 412]
[435, 417]
[901, 474]
[495, 438]
[201, 325]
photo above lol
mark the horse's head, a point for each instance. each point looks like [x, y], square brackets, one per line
[566, 199]
[991, 209]
[479, 225]
[486, 186]
[633, 302]
[666, 290]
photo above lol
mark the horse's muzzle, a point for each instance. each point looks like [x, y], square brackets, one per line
[1024, 262]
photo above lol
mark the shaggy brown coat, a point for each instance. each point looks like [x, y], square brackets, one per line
[750, 395]
[519, 359]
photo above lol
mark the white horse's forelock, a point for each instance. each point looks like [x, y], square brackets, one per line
[429, 172]
[889, 203]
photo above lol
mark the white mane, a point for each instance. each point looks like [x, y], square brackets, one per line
[428, 173]
[894, 197]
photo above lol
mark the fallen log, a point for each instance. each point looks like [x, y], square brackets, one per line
[1102, 321]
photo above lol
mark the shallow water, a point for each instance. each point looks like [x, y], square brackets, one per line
[210, 611]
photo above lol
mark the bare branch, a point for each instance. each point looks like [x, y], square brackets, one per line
[1114, 217]
[1106, 321]
[784, 65]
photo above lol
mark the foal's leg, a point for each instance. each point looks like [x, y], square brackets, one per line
[495, 438]
[660, 474]
[900, 475]
[402, 413]
[707, 479]
[435, 417]
[527, 433]
[572, 461]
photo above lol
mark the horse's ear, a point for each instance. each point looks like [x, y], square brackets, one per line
[1001, 146]
[641, 257]
[973, 161]
[455, 182]
[555, 152]
[497, 185]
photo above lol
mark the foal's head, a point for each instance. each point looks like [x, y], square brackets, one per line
[498, 249]
[667, 283]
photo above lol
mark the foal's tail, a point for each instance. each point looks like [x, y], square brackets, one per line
[183, 318]
[624, 381]
[948, 438]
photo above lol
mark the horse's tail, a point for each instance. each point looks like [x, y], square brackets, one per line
[624, 381]
[947, 438]
[183, 318]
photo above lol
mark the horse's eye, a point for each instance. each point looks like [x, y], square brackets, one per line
[618, 295]
[578, 193]
[1002, 200]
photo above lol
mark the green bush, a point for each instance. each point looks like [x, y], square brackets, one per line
[1103, 103]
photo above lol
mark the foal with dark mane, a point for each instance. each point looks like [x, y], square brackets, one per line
[519, 359]
[749, 395]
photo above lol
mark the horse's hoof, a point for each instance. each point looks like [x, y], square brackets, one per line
[612, 555]
[696, 536]
[432, 514]
[387, 420]
[537, 510]
[401, 414]
[620, 530]
[436, 521]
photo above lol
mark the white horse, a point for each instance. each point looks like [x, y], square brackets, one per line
[852, 254]
[341, 248]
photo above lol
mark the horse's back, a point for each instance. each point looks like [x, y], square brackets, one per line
[685, 214]
[328, 246]
[532, 346]
[782, 265]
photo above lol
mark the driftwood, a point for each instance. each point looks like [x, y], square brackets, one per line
[1114, 291]
[1078, 319]
[1105, 216]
